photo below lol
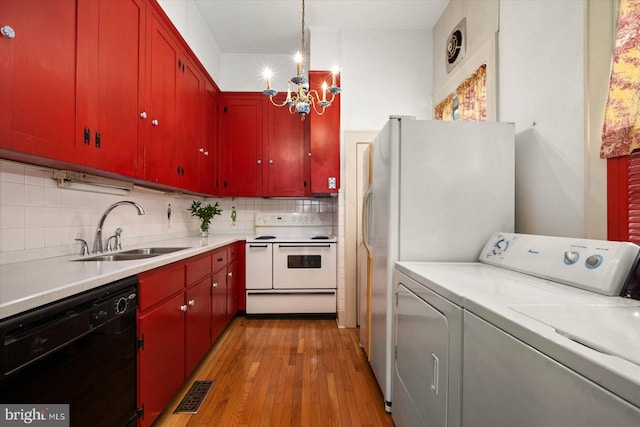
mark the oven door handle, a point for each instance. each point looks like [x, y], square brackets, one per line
[258, 246]
[304, 246]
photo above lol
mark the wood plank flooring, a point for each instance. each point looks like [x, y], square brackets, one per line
[281, 372]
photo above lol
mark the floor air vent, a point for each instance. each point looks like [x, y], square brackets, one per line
[194, 397]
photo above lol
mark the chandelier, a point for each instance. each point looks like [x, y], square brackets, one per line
[302, 99]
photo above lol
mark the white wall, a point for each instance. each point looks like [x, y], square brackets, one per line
[384, 73]
[243, 72]
[188, 21]
[541, 61]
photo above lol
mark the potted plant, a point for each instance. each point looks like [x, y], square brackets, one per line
[205, 213]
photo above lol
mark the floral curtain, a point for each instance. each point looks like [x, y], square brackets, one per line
[472, 96]
[621, 129]
[444, 110]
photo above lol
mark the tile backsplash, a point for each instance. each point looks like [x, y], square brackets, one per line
[39, 220]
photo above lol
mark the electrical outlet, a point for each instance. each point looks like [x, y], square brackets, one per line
[332, 183]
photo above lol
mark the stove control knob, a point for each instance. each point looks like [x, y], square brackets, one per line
[570, 257]
[594, 261]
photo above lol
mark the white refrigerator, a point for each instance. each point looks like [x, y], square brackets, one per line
[439, 191]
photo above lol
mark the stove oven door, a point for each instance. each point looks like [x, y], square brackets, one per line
[304, 266]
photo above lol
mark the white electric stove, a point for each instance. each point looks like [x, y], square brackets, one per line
[536, 334]
[291, 265]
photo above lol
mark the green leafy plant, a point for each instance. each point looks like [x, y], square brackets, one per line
[205, 213]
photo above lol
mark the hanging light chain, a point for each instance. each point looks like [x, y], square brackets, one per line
[302, 36]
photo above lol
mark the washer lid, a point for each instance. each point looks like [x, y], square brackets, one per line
[609, 329]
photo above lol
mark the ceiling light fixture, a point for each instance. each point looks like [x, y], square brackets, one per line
[302, 100]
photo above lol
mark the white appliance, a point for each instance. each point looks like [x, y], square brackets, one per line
[439, 191]
[484, 344]
[291, 264]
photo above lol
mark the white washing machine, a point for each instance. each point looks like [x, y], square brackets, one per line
[484, 345]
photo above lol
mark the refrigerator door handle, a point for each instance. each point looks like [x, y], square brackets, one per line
[365, 219]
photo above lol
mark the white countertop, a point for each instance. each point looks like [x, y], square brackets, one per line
[27, 285]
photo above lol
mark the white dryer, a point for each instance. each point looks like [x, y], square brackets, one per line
[484, 345]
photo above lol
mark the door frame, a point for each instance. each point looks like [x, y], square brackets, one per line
[351, 141]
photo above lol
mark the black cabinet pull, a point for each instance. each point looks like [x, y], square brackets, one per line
[220, 259]
[87, 136]
[97, 139]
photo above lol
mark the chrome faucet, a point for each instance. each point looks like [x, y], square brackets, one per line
[97, 241]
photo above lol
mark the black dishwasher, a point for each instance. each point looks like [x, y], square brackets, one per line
[79, 351]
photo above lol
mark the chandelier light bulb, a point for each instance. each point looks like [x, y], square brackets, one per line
[267, 74]
[298, 60]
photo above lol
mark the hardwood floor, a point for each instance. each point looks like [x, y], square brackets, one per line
[280, 372]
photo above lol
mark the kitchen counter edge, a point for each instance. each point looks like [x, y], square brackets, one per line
[28, 285]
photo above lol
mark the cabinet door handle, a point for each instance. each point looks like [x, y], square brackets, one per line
[215, 284]
[270, 162]
[201, 150]
[87, 136]
[259, 162]
[230, 274]
[192, 302]
[183, 307]
[154, 122]
[220, 259]
[206, 153]
[98, 139]
[143, 115]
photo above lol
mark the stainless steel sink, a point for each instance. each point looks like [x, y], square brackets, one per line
[152, 251]
[132, 254]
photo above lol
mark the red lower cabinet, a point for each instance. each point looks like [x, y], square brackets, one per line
[197, 323]
[183, 308]
[218, 303]
[161, 356]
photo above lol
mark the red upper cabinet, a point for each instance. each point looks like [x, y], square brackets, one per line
[189, 108]
[241, 154]
[286, 172]
[325, 140]
[38, 78]
[110, 68]
[162, 64]
[208, 151]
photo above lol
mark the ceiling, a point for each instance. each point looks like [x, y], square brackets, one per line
[274, 26]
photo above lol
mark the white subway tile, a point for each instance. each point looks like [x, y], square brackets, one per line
[12, 239]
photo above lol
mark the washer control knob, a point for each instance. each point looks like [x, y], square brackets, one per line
[594, 261]
[500, 246]
[570, 257]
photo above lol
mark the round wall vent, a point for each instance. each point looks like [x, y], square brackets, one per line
[456, 45]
